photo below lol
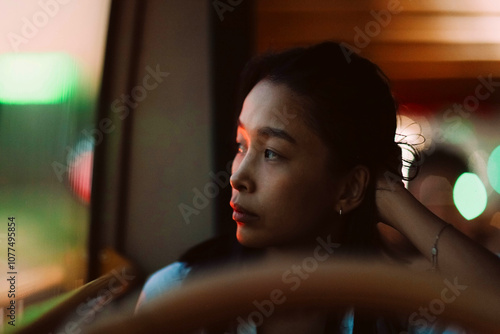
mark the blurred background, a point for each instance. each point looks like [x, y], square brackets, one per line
[117, 119]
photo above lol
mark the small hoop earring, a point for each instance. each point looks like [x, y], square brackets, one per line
[340, 212]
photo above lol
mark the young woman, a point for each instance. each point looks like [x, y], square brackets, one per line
[317, 159]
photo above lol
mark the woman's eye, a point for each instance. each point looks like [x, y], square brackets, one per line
[271, 155]
[240, 148]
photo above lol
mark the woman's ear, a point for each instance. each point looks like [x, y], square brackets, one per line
[354, 188]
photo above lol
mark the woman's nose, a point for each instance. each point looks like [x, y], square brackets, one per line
[242, 178]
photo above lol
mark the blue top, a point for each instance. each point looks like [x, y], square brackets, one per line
[161, 281]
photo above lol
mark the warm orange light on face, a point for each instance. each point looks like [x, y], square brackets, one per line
[242, 132]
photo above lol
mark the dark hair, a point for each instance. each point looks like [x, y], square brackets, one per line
[349, 104]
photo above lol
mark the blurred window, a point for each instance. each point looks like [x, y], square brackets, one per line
[51, 60]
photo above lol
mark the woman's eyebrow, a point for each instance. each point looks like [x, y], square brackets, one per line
[269, 132]
[276, 133]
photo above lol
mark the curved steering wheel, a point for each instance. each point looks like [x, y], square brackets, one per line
[229, 294]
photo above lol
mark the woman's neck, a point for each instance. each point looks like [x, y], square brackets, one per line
[321, 248]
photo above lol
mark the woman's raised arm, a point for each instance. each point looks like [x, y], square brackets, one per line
[455, 255]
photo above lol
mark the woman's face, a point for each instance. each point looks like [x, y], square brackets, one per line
[283, 195]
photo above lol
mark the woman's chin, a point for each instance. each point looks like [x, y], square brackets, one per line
[244, 239]
[249, 238]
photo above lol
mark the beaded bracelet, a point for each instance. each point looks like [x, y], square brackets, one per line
[434, 250]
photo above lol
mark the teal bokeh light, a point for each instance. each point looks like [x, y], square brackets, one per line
[469, 195]
[494, 169]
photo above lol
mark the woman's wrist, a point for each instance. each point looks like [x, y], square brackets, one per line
[389, 203]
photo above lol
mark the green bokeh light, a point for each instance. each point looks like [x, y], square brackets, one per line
[37, 78]
[469, 195]
[494, 169]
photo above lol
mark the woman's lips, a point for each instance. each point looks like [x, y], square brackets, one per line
[241, 215]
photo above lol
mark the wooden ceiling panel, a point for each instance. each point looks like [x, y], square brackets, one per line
[427, 39]
[444, 6]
